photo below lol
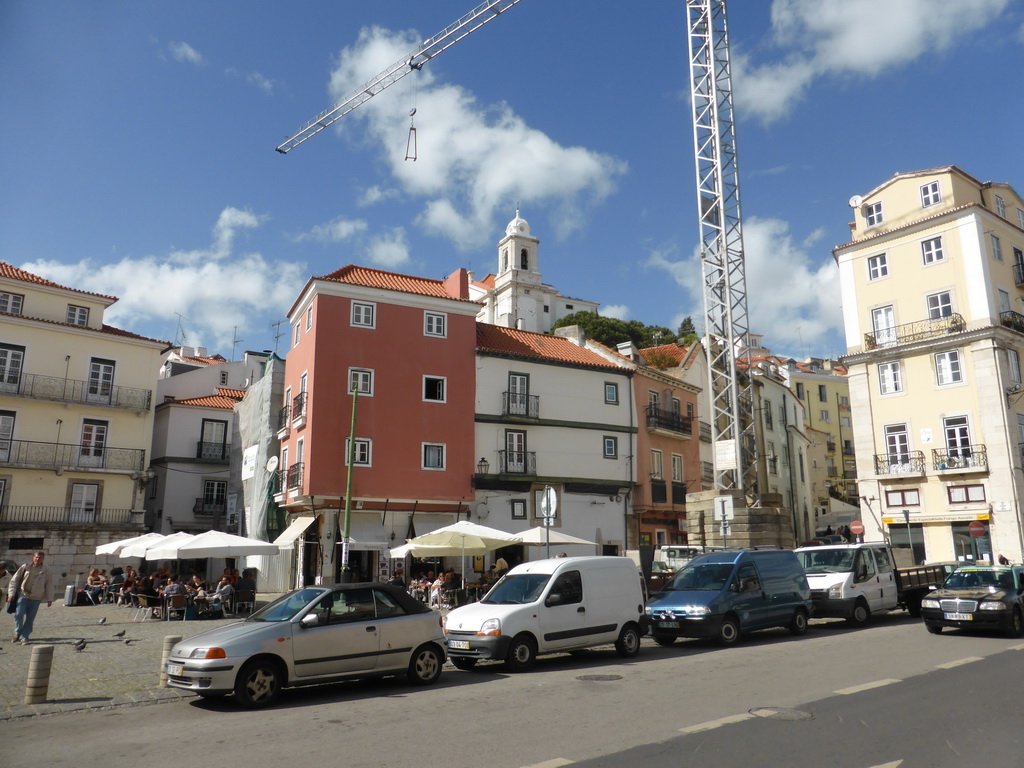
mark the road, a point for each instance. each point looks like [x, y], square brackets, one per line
[890, 692]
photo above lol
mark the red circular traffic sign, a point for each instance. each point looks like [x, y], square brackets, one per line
[977, 528]
[857, 527]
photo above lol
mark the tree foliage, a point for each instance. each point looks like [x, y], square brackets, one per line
[611, 332]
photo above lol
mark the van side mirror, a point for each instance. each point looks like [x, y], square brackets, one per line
[555, 598]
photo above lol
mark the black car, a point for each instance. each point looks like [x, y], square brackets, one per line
[978, 597]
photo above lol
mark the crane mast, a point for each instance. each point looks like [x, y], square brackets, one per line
[430, 47]
[721, 236]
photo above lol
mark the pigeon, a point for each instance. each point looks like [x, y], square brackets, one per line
[128, 642]
[103, 620]
[79, 645]
[119, 634]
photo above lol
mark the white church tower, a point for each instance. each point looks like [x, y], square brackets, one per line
[516, 297]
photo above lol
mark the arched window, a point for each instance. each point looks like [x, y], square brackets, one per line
[504, 259]
[524, 259]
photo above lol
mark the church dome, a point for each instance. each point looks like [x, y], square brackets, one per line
[518, 226]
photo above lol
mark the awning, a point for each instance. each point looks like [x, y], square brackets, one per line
[297, 527]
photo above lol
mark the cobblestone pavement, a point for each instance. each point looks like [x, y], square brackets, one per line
[108, 673]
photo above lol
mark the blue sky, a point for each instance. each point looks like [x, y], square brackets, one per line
[139, 145]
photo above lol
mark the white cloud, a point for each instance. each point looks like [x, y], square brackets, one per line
[389, 250]
[265, 84]
[185, 52]
[377, 193]
[474, 161]
[618, 311]
[334, 231]
[846, 38]
[798, 313]
[215, 288]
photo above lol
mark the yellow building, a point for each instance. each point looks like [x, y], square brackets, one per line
[76, 420]
[933, 303]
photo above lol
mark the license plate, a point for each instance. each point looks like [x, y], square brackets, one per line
[669, 624]
[958, 616]
[175, 670]
[462, 645]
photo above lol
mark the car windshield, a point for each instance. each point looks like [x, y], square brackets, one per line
[286, 606]
[518, 588]
[971, 577]
[701, 576]
[827, 560]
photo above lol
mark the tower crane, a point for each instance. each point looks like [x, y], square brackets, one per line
[718, 203]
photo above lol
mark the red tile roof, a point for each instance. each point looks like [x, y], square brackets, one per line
[541, 346]
[225, 398]
[11, 272]
[211, 360]
[673, 350]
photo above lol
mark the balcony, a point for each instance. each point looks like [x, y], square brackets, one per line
[966, 458]
[32, 455]
[295, 474]
[1012, 320]
[206, 508]
[707, 472]
[67, 515]
[668, 420]
[848, 450]
[830, 446]
[920, 331]
[284, 422]
[517, 462]
[659, 494]
[299, 410]
[72, 391]
[520, 404]
[906, 464]
[705, 432]
[678, 493]
[280, 485]
[213, 452]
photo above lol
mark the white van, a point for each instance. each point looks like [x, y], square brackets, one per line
[546, 606]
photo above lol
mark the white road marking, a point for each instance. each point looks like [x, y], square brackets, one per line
[867, 686]
[556, 762]
[893, 764]
[958, 662]
[1017, 647]
[712, 724]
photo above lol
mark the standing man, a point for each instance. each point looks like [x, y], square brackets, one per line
[32, 584]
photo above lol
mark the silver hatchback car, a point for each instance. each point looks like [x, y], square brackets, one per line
[313, 635]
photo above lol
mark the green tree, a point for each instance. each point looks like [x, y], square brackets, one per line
[687, 332]
[611, 332]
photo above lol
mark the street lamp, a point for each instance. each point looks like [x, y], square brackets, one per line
[483, 466]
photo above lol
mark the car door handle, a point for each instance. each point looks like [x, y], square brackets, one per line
[371, 629]
[581, 609]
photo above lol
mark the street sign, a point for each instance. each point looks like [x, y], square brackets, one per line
[857, 527]
[726, 529]
[977, 528]
[548, 504]
[723, 506]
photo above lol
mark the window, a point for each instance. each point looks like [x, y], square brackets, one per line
[825, 416]
[958, 436]
[844, 401]
[518, 509]
[303, 382]
[433, 455]
[997, 248]
[434, 324]
[1004, 300]
[1000, 206]
[11, 303]
[653, 401]
[822, 394]
[890, 378]
[215, 494]
[930, 194]
[878, 267]
[611, 393]
[213, 439]
[296, 334]
[12, 358]
[947, 368]
[883, 323]
[845, 422]
[93, 442]
[364, 314]
[864, 566]
[223, 378]
[677, 468]
[939, 305]
[931, 251]
[965, 494]
[1013, 359]
[689, 410]
[1020, 218]
[768, 423]
[546, 308]
[101, 380]
[360, 380]
[873, 214]
[84, 499]
[656, 466]
[309, 317]
[284, 460]
[434, 389]
[569, 585]
[363, 452]
[78, 315]
[611, 447]
[524, 259]
[800, 390]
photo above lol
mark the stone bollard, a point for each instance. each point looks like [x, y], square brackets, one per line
[169, 642]
[38, 683]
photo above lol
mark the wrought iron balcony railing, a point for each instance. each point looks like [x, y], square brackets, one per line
[919, 331]
[905, 463]
[678, 493]
[295, 474]
[65, 515]
[299, 408]
[848, 450]
[1012, 320]
[26, 453]
[517, 462]
[205, 508]
[212, 451]
[830, 446]
[659, 493]
[73, 391]
[284, 418]
[965, 457]
[674, 422]
[520, 404]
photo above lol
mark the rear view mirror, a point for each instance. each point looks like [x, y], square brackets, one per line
[310, 620]
[555, 598]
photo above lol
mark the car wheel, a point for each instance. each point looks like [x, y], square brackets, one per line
[665, 640]
[798, 626]
[521, 654]
[861, 615]
[935, 629]
[729, 632]
[1016, 628]
[628, 644]
[258, 683]
[425, 665]
[914, 608]
[463, 663]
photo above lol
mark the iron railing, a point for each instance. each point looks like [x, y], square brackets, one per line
[520, 404]
[1012, 320]
[659, 493]
[517, 462]
[26, 453]
[68, 515]
[295, 474]
[204, 508]
[299, 407]
[73, 391]
[904, 463]
[284, 418]
[965, 457]
[918, 331]
[678, 493]
[674, 422]
[212, 451]
[830, 446]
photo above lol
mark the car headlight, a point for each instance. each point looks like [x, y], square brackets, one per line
[929, 603]
[992, 605]
[695, 610]
[490, 627]
[649, 610]
[835, 591]
[208, 653]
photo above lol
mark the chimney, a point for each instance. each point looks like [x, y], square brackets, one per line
[573, 333]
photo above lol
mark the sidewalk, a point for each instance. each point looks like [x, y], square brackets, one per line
[108, 673]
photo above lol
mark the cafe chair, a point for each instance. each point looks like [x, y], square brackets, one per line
[143, 609]
[175, 604]
[244, 599]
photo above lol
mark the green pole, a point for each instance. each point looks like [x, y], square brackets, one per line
[346, 572]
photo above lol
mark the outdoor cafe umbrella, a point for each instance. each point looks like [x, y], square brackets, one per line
[141, 548]
[211, 544]
[538, 536]
[115, 547]
[459, 538]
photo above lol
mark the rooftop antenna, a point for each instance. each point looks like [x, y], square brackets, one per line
[180, 337]
[277, 332]
[235, 341]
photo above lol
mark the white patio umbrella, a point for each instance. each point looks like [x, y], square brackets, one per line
[115, 547]
[211, 544]
[536, 537]
[459, 538]
[142, 548]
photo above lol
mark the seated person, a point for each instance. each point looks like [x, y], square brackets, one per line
[245, 582]
[222, 595]
[195, 584]
[94, 585]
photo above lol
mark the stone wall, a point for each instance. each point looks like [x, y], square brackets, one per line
[764, 526]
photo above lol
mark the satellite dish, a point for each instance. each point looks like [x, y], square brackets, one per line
[272, 463]
[856, 201]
